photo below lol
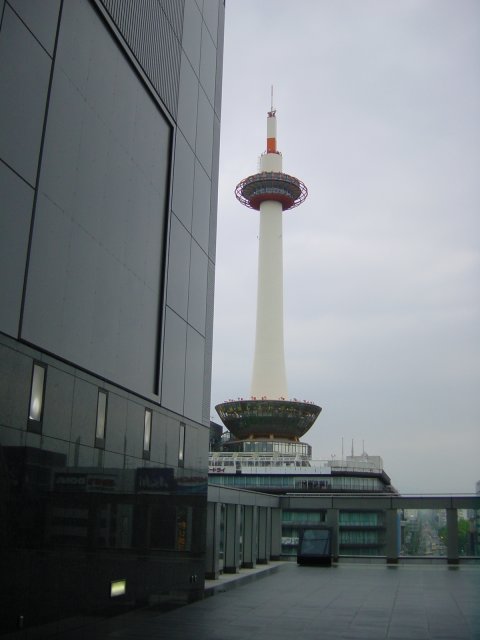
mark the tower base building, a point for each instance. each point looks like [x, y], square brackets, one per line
[283, 467]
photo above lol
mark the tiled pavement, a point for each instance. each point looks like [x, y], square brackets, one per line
[348, 601]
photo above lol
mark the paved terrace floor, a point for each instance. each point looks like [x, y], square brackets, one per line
[348, 601]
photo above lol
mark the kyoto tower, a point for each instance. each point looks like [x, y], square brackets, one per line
[268, 414]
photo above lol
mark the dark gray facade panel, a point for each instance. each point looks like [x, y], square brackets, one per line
[57, 448]
[158, 449]
[84, 413]
[81, 455]
[208, 59]
[204, 140]
[112, 461]
[207, 379]
[64, 139]
[183, 177]
[133, 444]
[116, 426]
[41, 18]
[153, 31]
[101, 214]
[43, 316]
[173, 374]
[219, 65]
[15, 380]
[194, 374]
[24, 78]
[16, 202]
[172, 429]
[78, 29]
[178, 268]
[11, 437]
[201, 207]
[196, 453]
[212, 241]
[197, 293]
[210, 16]
[187, 102]
[57, 417]
[192, 34]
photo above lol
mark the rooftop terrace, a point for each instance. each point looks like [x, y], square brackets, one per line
[349, 601]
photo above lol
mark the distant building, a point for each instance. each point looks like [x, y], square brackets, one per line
[109, 144]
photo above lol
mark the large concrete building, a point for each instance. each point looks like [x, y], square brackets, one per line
[109, 140]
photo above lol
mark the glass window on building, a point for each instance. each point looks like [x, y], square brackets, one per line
[303, 517]
[359, 518]
[147, 433]
[359, 537]
[101, 424]
[181, 445]
[37, 397]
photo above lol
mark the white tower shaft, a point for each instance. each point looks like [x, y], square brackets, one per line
[269, 377]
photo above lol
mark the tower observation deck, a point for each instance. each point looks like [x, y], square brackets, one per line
[268, 413]
[271, 186]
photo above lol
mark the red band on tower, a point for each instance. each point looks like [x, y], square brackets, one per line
[271, 145]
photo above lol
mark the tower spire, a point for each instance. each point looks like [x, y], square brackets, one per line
[272, 132]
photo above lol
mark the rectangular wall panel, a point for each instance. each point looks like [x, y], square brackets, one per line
[41, 18]
[16, 210]
[104, 186]
[22, 104]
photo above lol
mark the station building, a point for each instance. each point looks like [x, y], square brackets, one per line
[109, 145]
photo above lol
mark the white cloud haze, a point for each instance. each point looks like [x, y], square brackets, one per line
[378, 107]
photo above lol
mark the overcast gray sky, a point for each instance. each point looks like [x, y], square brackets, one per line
[378, 111]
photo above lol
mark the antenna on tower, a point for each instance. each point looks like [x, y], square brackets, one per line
[272, 111]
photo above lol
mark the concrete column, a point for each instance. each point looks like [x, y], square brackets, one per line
[452, 536]
[331, 521]
[392, 538]
[212, 559]
[233, 514]
[264, 535]
[250, 536]
[276, 534]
